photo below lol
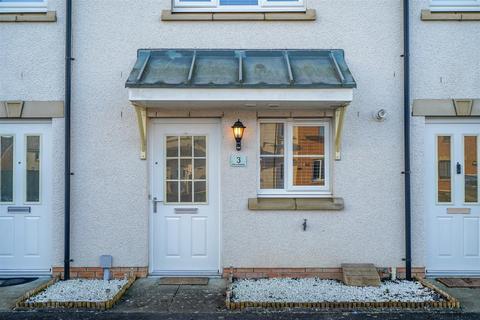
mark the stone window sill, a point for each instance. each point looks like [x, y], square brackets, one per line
[50, 16]
[296, 204]
[309, 15]
[428, 15]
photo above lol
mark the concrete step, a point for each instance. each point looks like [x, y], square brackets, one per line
[360, 275]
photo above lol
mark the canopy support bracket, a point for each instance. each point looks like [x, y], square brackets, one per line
[339, 119]
[142, 127]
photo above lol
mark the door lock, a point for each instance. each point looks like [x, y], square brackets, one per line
[459, 168]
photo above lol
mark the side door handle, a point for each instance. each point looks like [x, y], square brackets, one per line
[155, 201]
[459, 168]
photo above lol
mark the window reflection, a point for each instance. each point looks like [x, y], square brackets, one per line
[186, 169]
[6, 169]
[444, 183]
[471, 168]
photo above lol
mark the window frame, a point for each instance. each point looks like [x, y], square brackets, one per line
[289, 189]
[12, 6]
[452, 5]
[263, 6]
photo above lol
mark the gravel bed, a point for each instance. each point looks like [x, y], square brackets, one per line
[80, 290]
[318, 290]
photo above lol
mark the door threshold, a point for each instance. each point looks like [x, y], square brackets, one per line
[208, 274]
[452, 274]
[25, 273]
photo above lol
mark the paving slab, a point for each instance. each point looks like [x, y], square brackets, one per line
[469, 297]
[9, 295]
[148, 295]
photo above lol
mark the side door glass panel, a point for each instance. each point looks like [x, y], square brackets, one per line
[32, 168]
[444, 169]
[470, 145]
[6, 168]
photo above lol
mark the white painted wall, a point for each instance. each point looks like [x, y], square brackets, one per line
[110, 188]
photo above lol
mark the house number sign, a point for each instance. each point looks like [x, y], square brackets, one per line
[237, 160]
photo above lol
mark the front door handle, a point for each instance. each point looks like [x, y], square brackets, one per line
[459, 168]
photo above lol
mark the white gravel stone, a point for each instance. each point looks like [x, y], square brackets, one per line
[318, 290]
[80, 290]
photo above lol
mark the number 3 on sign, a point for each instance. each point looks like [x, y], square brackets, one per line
[237, 160]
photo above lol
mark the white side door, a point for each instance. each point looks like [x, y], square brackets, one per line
[25, 191]
[185, 197]
[452, 195]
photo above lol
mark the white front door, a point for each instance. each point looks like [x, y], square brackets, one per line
[185, 197]
[452, 195]
[25, 190]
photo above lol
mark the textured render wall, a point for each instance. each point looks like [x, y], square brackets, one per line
[110, 184]
[445, 64]
[32, 68]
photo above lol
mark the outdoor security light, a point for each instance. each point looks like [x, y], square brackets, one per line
[238, 129]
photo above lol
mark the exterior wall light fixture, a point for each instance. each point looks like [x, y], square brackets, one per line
[238, 129]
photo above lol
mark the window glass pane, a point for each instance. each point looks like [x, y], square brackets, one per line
[238, 2]
[471, 168]
[271, 138]
[200, 191]
[186, 191]
[172, 191]
[33, 169]
[172, 169]
[200, 169]
[172, 146]
[444, 183]
[308, 140]
[200, 146]
[308, 172]
[6, 169]
[271, 172]
[186, 146]
[186, 169]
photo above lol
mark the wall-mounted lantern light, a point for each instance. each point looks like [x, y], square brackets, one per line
[238, 129]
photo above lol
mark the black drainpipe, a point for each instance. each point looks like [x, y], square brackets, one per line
[406, 136]
[68, 91]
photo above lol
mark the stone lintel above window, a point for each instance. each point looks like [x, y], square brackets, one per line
[296, 204]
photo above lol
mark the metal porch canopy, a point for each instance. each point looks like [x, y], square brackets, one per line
[196, 79]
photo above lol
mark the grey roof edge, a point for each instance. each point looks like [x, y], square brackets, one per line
[143, 55]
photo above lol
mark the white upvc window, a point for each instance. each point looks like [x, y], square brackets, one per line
[294, 157]
[454, 5]
[23, 6]
[238, 5]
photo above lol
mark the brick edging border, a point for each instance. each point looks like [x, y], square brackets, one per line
[97, 272]
[449, 303]
[22, 303]
[307, 272]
